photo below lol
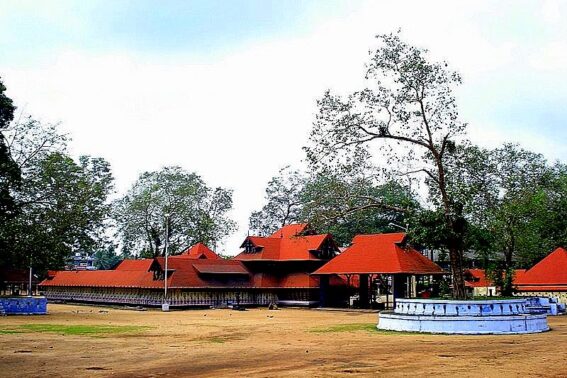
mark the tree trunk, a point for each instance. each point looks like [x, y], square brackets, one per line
[458, 280]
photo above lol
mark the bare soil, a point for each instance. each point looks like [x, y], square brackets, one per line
[259, 342]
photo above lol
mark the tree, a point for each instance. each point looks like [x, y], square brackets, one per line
[283, 202]
[63, 203]
[10, 177]
[506, 195]
[193, 212]
[343, 203]
[64, 208]
[106, 258]
[332, 203]
[409, 109]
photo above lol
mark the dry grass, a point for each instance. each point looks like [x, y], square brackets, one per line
[91, 341]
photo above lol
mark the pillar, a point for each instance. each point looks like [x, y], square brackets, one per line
[323, 290]
[399, 283]
[363, 291]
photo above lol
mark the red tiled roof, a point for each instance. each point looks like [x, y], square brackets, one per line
[184, 273]
[380, 253]
[551, 271]
[220, 269]
[198, 251]
[103, 278]
[135, 265]
[290, 230]
[476, 278]
[289, 247]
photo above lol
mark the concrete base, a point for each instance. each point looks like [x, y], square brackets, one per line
[462, 317]
[472, 325]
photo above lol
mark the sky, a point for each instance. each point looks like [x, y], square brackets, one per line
[228, 89]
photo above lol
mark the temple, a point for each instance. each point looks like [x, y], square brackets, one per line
[293, 266]
[274, 269]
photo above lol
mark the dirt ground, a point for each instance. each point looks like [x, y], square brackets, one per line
[259, 342]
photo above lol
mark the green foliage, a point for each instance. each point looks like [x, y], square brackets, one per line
[106, 258]
[194, 212]
[10, 176]
[407, 117]
[343, 204]
[63, 203]
[284, 202]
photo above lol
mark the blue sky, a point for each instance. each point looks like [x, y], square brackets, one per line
[228, 88]
[33, 29]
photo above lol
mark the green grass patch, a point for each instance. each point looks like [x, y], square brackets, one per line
[81, 330]
[353, 327]
[9, 331]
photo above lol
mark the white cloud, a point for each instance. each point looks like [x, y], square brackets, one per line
[239, 117]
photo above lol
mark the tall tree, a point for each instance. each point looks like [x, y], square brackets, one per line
[64, 208]
[283, 202]
[333, 202]
[193, 211]
[10, 178]
[409, 109]
[63, 203]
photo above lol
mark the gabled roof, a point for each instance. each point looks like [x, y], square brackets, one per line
[290, 230]
[198, 251]
[380, 253]
[284, 249]
[551, 272]
[477, 278]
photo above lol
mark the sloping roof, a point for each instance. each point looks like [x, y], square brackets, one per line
[477, 278]
[290, 230]
[135, 265]
[550, 272]
[184, 273]
[103, 278]
[198, 251]
[284, 244]
[380, 253]
[221, 268]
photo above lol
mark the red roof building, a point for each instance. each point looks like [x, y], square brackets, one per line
[270, 269]
[284, 261]
[550, 274]
[380, 254]
[371, 256]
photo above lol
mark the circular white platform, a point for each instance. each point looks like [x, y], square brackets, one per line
[502, 316]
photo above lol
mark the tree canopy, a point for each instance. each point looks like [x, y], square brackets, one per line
[407, 115]
[63, 204]
[193, 211]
